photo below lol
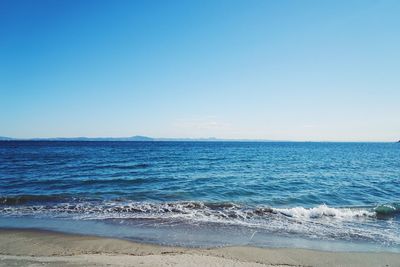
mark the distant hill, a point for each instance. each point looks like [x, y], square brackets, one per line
[132, 138]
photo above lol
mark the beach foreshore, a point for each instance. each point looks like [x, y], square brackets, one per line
[19, 247]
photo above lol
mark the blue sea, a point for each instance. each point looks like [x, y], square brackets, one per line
[333, 196]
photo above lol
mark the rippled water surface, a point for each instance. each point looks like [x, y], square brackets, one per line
[308, 191]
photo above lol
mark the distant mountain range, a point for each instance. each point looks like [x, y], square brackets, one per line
[132, 138]
[139, 138]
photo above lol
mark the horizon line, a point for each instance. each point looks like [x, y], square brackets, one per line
[143, 138]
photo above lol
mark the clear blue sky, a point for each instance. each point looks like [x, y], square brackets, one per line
[287, 70]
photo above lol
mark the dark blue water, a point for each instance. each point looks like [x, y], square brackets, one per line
[328, 192]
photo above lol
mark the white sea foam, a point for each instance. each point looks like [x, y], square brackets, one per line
[325, 211]
[198, 210]
[322, 222]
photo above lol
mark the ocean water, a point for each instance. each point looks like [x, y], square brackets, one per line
[334, 196]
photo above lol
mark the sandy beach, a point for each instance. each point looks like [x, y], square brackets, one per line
[44, 248]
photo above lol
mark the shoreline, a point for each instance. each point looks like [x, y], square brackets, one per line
[30, 247]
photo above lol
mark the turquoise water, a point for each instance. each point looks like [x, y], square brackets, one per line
[207, 193]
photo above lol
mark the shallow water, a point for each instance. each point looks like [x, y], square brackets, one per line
[189, 193]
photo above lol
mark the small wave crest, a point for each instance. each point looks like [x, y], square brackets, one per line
[325, 211]
[387, 210]
[25, 199]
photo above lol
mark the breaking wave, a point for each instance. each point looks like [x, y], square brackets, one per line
[59, 204]
[325, 211]
[374, 224]
[387, 210]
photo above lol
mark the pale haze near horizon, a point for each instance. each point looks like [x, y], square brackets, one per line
[278, 70]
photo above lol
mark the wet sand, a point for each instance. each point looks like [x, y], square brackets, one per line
[45, 248]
